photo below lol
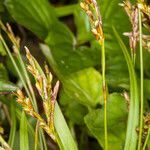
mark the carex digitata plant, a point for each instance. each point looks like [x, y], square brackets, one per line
[43, 81]
[138, 125]
[92, 10]
[43, 85]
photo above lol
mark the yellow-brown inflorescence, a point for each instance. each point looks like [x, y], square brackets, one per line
[15, 40]
[132, 12]
[145, 9]
[92, 10]
[43, 85]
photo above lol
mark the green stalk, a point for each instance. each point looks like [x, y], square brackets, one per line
[104, 95]
[141, 81]
[146, 140]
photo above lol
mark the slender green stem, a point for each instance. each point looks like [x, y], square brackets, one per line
[146, 140]
[141, 82]
[104, 95]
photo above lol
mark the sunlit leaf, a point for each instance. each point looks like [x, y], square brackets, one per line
[84, 86]
[117, 118]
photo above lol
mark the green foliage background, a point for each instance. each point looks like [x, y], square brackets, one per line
[74, 57]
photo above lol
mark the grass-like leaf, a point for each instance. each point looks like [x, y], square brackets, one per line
[13, 125]
[133, 117]
[24, 142]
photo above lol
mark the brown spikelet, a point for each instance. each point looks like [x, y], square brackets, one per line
[132, 12]
[92, 10]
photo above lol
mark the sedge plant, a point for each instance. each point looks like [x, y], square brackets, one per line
[138, 125]
[92, 10]
[53, 114]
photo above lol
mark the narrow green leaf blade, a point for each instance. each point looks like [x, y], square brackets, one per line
[36, 15]
[66, 139]
[133, 117]
[24, 142]
[13, 125]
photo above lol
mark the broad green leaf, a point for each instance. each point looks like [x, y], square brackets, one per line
[44, 24]
[74, 111]
[133, 117]
[84, 86]
[36, 15]
[24, 141]
[65, 60]
[66, 10]
[64, 99]
[83, 25]
[117, 118]
[60, 35]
